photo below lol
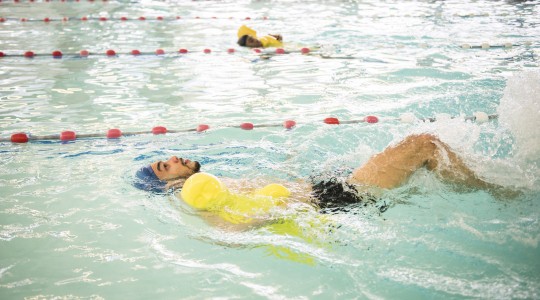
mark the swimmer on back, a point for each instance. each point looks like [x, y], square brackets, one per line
[247, 37]
[386, 170]
[160, 176]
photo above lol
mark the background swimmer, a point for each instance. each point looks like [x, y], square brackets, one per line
[247, 37]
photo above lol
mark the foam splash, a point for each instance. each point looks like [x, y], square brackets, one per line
[519, 119]
[519, 111]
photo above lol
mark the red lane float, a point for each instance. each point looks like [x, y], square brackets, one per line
[159, 130]
[20, 137]
[202, 127]
[160, 52]
[67, 136]
[331, 121]
[182, 51]
[371, 119]
[246, 126]
[84, 53]
[110, 52]
[207, 51]
[57, 54]
[114, 133]
[135, 52]
[289, 124]
[29, 54]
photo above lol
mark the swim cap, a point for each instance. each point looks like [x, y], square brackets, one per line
[146, 179]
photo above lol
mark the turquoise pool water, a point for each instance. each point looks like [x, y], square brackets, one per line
[72, 225]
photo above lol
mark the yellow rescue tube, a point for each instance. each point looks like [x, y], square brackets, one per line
[244, 30]
[206, 192]
[274, 190]
[203, 191]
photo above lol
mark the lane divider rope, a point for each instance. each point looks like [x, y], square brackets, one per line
[135, 52]
[122, 19]
[115, 133]
[34, 1]
[265, 52]
[422, 15]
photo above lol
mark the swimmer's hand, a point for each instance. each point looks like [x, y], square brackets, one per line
[277, 36]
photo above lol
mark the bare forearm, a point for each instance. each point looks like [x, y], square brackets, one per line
[277, 36]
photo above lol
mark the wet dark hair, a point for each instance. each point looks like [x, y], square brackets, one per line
[242, 40]
[336, 195]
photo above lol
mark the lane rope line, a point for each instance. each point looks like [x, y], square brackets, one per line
[115, 133]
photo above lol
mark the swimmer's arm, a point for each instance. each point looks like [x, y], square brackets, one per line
[277, 36]
[299, 188]
[240, 185]
[216, 221]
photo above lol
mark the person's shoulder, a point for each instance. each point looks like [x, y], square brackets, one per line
[270, 41]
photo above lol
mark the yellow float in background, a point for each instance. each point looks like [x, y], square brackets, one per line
[244, 30]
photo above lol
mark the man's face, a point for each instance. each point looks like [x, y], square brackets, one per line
[253, 42]
[175, 168]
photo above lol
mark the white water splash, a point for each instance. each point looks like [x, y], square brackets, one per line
[519, 111]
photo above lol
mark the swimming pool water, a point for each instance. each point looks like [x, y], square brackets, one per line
[73, 226]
